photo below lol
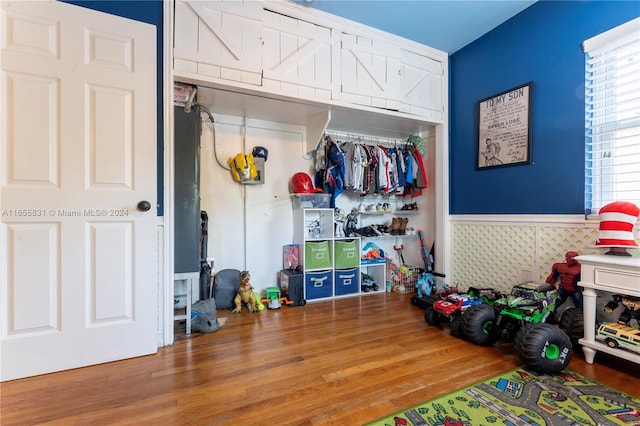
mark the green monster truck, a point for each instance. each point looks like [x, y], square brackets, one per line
[522, 317]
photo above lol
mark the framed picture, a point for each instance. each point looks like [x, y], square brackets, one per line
[504, 128]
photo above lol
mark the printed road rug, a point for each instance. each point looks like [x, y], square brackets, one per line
[521, 397]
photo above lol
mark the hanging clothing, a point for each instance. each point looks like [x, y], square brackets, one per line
[320, 163]
[349, 149]
[369, 169]
[369, 178]
[334, 179]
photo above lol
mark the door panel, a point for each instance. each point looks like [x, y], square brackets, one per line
[422, 85]
[33, 308]
[221, 39]
[34, 160]
[300, 57]
[371, 72]
[78, 150]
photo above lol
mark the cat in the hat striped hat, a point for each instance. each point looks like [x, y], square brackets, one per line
[617, 220]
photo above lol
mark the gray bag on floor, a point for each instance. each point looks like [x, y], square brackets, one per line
[204, 317]
[225, 287]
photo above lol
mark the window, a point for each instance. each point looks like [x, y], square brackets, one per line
[612, 119]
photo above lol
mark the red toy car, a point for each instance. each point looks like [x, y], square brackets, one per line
[454, 304]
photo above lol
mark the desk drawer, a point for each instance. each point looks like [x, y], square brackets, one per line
[617, 279]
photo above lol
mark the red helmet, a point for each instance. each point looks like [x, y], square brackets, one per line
[301, 184]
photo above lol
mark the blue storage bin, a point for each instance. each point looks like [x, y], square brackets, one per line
[346, 281]
[318, 284]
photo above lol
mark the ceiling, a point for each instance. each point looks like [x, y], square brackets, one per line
[446, 25]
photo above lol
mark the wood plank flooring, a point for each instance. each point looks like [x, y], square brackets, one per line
[342, 362]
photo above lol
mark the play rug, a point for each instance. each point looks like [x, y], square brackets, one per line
[520, 397]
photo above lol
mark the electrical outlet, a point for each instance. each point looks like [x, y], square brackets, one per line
[525, 274]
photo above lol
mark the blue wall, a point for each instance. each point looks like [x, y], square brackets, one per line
[542, 44]
[149, 11]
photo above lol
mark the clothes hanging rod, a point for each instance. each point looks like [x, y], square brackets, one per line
[364, 139]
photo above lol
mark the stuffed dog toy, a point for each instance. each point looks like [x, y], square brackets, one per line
[245, 294]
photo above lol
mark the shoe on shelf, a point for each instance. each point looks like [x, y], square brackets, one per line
[376, 230]
[361, 208]
[370, 208]
[379, 208]
[410, 206]
[402, 228]
[386, 207]
[395, 226]
[371, 232]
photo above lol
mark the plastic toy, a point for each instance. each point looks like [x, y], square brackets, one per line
[340, 219]
[399, 250]
[243, 168]
[300, 183]
[290, 256]
[520, 317]
[454, 305]
[616, 335]
[372, 253]
[274, 300]
[631, 308]
[426, 290]
[568, 274]
[426, 284]
[259, 304]
[313, 228]
[351, 223]
[367, 283]
[427, 255]
[245, 294]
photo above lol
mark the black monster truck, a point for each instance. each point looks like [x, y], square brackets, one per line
[521, 317]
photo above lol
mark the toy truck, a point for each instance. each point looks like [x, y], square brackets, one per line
[453, 306]
[616, 335]
[521, 317]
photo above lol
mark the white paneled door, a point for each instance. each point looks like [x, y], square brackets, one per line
[78, 281]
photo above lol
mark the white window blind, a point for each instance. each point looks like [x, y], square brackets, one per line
[612, 120]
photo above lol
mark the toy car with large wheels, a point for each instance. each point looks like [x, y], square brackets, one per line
[454, 305]
[520, 317]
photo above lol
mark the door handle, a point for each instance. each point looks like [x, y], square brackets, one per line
[144, 206]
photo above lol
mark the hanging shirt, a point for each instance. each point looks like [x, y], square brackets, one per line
[335, 172]
[349, 149]
[383, 169]
[359, 163]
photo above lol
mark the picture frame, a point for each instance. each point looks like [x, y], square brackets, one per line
[504, 128]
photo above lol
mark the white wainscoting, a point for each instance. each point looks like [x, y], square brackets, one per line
[501, 250]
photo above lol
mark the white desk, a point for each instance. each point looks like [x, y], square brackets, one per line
[615, 274]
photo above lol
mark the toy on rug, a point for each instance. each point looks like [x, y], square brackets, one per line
[245, 294]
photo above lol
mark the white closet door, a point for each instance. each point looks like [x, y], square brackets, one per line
[78, 280]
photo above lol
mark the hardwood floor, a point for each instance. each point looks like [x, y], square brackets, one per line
[346, 362]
